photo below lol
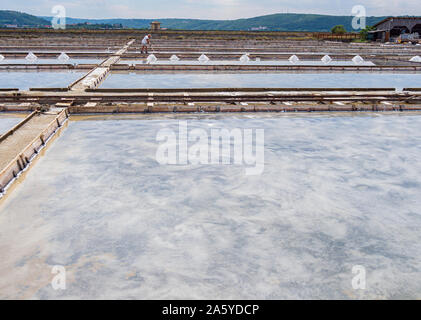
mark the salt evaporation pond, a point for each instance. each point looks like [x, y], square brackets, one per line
[52, 61]
[337, 191]
[24, 80]
[261, 80]
[8, 121]
[251, 62]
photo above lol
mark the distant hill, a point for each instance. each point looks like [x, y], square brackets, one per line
[273, 22]
[20, 19]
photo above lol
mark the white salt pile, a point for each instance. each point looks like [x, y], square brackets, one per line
[358, 60]
[151, 59]
[326, 59]
[203, 58]
[63, 57]
[31, 57]
[244, 58]
[294, 59]
[415, 59]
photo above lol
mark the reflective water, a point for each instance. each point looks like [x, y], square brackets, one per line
[262, 80]
[52, 61]
[252, 62]
[24, 80]
[7, 122]
[336, 192]
[26, 50]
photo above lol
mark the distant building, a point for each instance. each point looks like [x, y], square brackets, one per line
[155, 26]
[259, 28]
[391, 28]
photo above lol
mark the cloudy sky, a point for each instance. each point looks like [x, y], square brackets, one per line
[208, 9]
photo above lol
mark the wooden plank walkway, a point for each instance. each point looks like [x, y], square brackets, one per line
[20, 144]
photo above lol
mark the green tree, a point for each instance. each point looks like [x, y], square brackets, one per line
[364, 33]
[339, 29]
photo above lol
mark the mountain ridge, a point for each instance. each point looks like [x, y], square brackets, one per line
[9, 17]
[272, 22]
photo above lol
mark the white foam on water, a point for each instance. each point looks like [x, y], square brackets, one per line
[1, 57]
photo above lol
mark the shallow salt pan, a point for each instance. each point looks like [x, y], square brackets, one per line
[337, 191]
[262, 80]
[51, 61]
[251, 62]
[24, 80]
[7, 122]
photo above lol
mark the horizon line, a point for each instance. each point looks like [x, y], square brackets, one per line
[209, 19]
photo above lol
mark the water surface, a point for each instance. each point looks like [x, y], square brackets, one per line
[337, 191]
[52, 61]
[7, 122]
[262, 80]
[251, 62]
[24, 80]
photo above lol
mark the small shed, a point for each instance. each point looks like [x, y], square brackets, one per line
[155, 25]
[391, 28]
